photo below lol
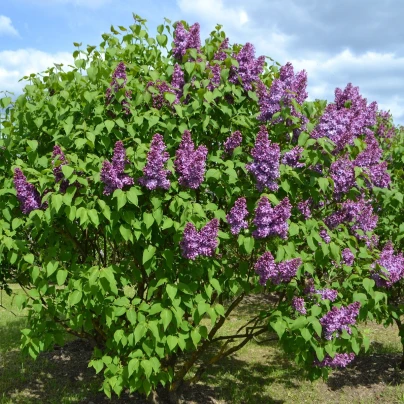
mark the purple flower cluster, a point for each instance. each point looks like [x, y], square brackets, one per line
[292, 157]
[289, 86]
[266, 268]
[338, 319]
[196, 243]
[237, 215]
[369, 160]
[347, 257]
[220, 54]
[249, 68]
[272, 221]
[161, 87]
[346, 119]
[177, 82]
[115, 86]
[190, 163]
[155, 176]
[265, 166]
[392, 267]
[184, 39]
[58, 161]
[233, 141]
[215, 80]
[360, 213]
[298, 305]
[112, 175]
[26, 193]
[343, 174]
[304, 208]
[385, 129]
[338, 361]
[330, 294]
[325, 236]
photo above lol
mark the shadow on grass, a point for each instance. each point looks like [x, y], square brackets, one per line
[10, 334]
[368, 370]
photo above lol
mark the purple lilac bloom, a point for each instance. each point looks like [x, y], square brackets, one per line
[272, 221]
[158, 98]
[208, 238]
[369, 160]
[155, 176]
[292, 157]
[339, 360]
[338, 319]
[249, 68]
[119, 73]
[60, 160]
[360, 213]
[112, 175]
[385, 129]
[343, 174]
[330, 294]
[298, 305]
[237, 215]
[265, 267]
[233, 141]
[289, 86]
[177, 82]
[190, 163]
[347, 257]
[196, 243]
[220, 55]
[26, 193]
[304, 208]
[393, 267]
[346, 119]
[215, 80]
[184, 39]
[286, 270]
[325, 236]
[265, 166]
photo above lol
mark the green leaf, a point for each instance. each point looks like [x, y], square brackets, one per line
[93, 215]
[196, 337]
[133, 366]
[147, 367]
[75, 297]
[51, 268]
[67, 171]
[293, 229]
[166, 315]
[323, 183]
[306, 334]
[368, 284]
[61, 276]
[140, 332]
[57, 201]
[170, 97]
[29, 258]
[172, 342]
[248, 244]
[148, 253]
[132, 196]
[148, 219]
[171, 291]
[109, 125]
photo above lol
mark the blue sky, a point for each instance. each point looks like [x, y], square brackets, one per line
[336, 42]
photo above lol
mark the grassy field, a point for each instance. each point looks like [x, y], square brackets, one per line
[259, 373]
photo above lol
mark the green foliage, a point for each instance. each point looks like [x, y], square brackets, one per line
[109, 268]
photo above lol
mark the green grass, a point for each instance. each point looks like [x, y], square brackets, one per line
[258, 373]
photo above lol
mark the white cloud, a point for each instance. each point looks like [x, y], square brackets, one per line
[214, 11]
[6, 26]
[22, 62]
[378, 76]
